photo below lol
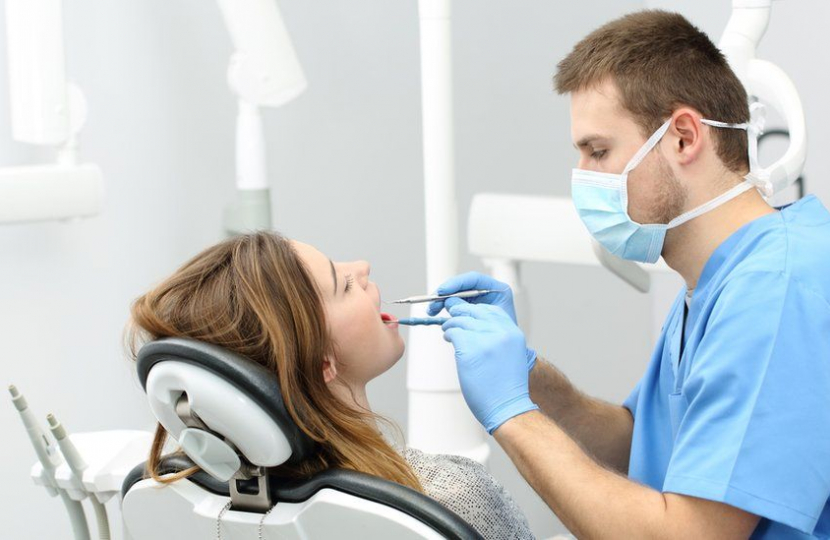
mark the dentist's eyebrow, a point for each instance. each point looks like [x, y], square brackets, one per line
[333, 275]
[587, 140]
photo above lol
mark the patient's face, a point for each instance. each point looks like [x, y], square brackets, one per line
[365, 345]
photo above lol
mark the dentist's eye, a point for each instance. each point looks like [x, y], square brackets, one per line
[598, 154]
[349, 282]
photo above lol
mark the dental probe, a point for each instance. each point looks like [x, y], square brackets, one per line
[50, 458]
[433, 297]
[427, 321]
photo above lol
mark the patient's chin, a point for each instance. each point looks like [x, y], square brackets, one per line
[399, 351]
[390, 360]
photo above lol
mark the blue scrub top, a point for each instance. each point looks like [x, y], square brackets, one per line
[743, 416]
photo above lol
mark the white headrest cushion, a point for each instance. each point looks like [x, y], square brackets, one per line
[221, 406]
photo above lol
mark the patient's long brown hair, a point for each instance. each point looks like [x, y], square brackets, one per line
[252, 295]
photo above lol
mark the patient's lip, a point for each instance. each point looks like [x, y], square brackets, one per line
[389, 320]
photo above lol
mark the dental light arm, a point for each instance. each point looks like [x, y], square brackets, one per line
[769, 84]
[264, 71]
[45, 111]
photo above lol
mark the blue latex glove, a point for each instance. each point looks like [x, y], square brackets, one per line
[476, 280]
[490, 358]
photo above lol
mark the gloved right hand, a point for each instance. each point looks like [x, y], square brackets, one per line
[489, 358]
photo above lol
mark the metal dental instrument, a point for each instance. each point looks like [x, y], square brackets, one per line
[415, 321]
[433, 297]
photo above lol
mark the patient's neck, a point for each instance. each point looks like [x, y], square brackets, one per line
[352, 394]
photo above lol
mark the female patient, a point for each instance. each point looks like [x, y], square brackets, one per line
[318, 325]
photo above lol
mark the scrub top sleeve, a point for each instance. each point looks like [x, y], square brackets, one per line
[630, 402]
[754, 411]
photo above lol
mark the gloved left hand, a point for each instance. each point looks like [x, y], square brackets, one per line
[481, 281]
[490, 355]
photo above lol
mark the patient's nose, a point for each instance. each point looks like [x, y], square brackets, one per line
[362, 269]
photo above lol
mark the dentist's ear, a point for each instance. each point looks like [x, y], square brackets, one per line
[687, 135]
[329, 370]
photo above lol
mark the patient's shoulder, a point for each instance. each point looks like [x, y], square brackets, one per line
[437, 468]
[465, 487]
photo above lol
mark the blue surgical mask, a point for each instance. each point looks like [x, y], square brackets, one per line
[601, 200]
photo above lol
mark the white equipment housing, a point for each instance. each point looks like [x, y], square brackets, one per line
[111, 455]
[264, 72]
[47, 192]
[45, 111]
[504, 229]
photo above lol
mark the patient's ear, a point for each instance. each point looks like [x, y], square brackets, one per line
[329, 369]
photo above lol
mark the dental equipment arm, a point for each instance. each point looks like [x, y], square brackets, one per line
[45, 111]
[503, 229]
[77, 465]
[768, 83]
[50, 458]
[264, 71]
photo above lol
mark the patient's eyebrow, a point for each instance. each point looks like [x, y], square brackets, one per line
[333, 275]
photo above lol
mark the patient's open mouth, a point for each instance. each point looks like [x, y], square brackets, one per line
[388, 319]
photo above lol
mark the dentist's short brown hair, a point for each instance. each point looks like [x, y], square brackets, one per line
[659, 61]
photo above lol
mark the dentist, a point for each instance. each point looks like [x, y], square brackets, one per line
[727, 434]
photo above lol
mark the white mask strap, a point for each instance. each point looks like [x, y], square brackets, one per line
[647, 147]
[717, 201]
[754, 128]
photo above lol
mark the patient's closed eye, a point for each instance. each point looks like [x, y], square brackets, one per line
[349, 282]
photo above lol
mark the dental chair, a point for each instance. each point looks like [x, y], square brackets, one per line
[227, 414]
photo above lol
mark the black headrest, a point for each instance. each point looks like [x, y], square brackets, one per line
[259, 384]
[410, 502]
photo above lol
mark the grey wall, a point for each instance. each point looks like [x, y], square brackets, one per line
[345, 165]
